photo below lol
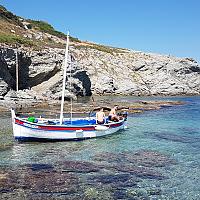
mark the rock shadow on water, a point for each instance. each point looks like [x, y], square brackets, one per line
[190, 130]
[39, 167]
[177, 137]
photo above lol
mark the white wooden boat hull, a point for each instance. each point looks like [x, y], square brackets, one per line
[28, 131]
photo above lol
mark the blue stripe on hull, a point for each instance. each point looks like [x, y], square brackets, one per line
[33, 139]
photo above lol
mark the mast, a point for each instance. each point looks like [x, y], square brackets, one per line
[70, 81]
[64, 79]
[17, 71]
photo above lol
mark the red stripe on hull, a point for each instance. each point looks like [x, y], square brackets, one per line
[114, 125]
[61, 128]
[54, 128]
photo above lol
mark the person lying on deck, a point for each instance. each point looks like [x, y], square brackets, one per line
[100, 116]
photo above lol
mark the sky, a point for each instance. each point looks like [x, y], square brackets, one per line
[169, 27]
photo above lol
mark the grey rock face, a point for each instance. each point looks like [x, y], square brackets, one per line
[41, 71]
[6, 65]
[3, 87]
[136, 73]
[91, 71]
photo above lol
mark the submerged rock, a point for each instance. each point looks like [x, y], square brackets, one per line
[149, 159]
[119, 180]
[79, 167]
[110, 157]
[52, 182]
[154, 191]
[109, 176]
[143, 164]
[141, 172]
[93, 193]
[140, 158]
[37, 181]
[137, 194]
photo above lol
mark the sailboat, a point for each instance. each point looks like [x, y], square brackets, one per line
[48, 129]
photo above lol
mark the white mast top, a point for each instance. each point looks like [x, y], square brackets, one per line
[64, 78]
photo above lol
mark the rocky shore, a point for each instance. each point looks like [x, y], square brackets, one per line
[93, 72]
[89, 106]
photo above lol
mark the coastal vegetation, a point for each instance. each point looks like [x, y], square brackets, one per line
[13, 30]
[13, 39]
[44, 27]
[9, 16]
[28, 32]
[47, 28]
[103, 48]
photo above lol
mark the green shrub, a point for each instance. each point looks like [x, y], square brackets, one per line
[29, 26]
[12, 39]
[9, 16]
[73, 39]
[47, 28]
[106, 49]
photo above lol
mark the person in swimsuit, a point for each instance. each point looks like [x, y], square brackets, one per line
[100, 116]
[112, 115]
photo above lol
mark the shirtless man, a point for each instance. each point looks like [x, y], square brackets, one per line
[112, 115]
[100, 116]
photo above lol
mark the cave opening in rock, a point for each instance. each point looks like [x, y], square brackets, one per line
[86, 83]
[23, 71]
[8, 69]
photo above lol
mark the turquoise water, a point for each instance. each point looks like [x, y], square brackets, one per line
[157, 157]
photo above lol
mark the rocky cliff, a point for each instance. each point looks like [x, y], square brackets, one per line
[96, 69]
[137, 73]
[98, 72]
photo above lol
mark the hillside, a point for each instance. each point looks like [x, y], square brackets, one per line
[15, 30]
[18, 31]
[97, 69]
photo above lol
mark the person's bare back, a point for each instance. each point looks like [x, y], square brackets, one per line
[100, 116]
[113, 111]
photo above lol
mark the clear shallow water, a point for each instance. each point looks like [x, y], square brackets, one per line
[157, 157]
